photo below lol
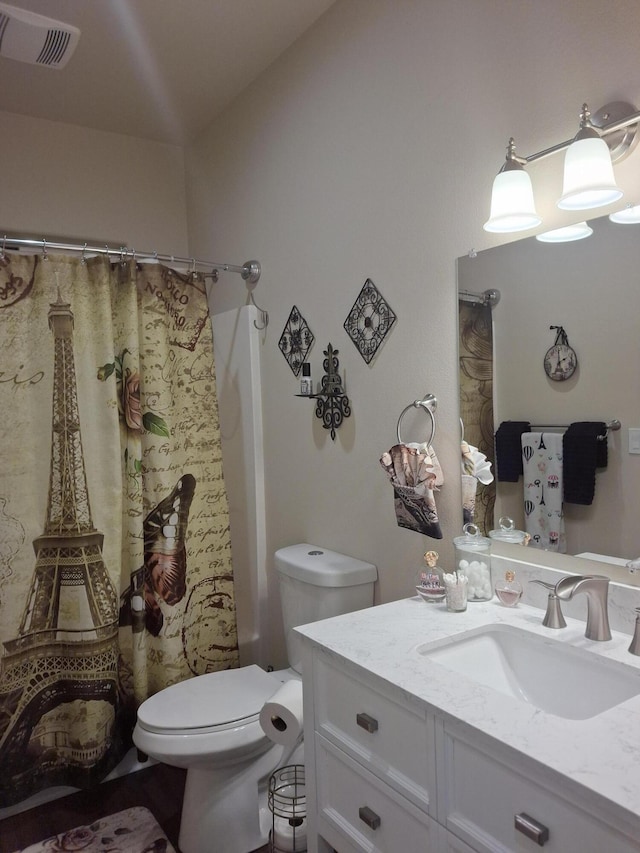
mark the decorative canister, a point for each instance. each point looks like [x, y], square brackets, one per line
[507, 532]
[473, 560]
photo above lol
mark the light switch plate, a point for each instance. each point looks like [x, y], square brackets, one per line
[634, 440]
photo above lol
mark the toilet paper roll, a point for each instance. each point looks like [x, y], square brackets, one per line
[287, 837]
[281, 716]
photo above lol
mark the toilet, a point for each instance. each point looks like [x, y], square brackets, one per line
[210, 724]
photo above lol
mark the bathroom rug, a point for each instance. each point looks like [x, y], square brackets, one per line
[133, 830]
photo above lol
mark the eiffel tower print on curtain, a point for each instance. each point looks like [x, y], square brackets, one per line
[63, 664]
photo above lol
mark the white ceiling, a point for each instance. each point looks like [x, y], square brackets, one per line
[157, 69]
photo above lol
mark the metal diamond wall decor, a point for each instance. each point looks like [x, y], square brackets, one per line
[369, 320]
[296, 340]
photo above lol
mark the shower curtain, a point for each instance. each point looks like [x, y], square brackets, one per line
[115, 555]
[476, 400]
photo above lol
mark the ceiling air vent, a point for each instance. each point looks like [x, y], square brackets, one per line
[33, 38]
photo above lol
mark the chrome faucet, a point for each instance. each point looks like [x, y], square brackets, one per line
[596, 588]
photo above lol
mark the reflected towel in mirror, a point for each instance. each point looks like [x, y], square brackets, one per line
[508, 441]
[542, 468]
[584, 449]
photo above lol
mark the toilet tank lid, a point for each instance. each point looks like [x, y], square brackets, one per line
[322, 567]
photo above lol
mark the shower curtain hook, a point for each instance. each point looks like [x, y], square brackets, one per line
[263, 314]
[45, 257]
[4, 243]
[83, 259]
[193, 272]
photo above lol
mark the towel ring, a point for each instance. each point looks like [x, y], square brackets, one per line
[429, 404]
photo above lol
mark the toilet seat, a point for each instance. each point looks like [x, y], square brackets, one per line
[214, 702]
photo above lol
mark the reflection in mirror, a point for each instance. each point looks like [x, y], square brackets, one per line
[592, 289]
[475, 349]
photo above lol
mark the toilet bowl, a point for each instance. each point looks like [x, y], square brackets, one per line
[210, 724]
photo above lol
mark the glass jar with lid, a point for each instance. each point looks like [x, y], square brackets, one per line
[506, 532]
[473, 560]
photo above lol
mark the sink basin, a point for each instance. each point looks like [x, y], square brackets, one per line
[550, 675]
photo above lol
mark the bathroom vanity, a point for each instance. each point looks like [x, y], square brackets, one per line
[417, 740]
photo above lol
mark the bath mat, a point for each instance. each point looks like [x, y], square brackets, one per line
[130, 831]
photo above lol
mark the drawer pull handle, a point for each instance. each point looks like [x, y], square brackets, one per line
[369, 817]
[369, 724]
[530, 827]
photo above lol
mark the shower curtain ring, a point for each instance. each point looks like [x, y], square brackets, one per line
[83, 259]
[45, 257]
[4, 244]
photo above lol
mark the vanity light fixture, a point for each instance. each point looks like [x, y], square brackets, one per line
[629, 215]
[577, 231]
[603, 139]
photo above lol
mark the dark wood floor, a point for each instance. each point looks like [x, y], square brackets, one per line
[159, 788]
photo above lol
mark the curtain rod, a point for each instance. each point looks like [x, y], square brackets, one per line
[488, 297]
[249, 271]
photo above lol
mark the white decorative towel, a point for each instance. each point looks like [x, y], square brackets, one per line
[542, 468]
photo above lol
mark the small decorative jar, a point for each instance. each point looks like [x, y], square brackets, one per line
[429, 585]
[473, 560]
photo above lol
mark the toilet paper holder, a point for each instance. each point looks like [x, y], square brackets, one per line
[288, 806]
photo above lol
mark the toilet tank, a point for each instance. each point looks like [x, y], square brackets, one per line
[316, 583]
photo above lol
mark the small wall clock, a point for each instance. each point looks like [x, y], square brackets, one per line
[560, 360]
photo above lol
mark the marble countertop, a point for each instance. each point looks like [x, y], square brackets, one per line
[601, 755]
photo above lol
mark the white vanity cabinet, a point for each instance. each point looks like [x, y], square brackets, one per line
[386, 774]
[372, 764]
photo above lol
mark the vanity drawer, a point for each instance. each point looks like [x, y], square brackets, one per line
[358, 812]
[481, 795]
[393, 741]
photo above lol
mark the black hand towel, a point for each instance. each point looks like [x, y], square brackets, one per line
[508, 440]
[584, 448]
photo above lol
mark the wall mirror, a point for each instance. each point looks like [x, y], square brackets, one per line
[591, 288]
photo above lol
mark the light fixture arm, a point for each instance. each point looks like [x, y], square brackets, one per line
[615, 117]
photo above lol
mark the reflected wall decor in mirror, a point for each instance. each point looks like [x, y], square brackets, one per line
[591, 288]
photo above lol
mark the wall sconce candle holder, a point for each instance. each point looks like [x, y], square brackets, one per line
[332, 404]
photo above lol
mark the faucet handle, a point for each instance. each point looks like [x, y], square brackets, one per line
[634, 648]
[553, 618]
[544, 583]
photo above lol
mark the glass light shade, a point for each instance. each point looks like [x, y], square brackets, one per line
[588, 176]
[512, 205]
[578, 231]
[630, 215]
